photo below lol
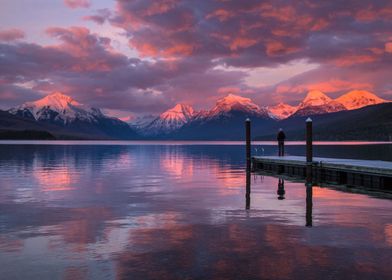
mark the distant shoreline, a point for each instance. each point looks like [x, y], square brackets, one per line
[184, 142]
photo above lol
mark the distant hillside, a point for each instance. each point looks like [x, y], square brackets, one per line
[25, 135]
[15, 125]
[224, 127]
[372, 123]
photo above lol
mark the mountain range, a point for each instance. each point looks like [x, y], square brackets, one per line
[61, 117]
[315, 103]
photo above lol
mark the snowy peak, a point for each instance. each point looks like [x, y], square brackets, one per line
[316, 102]
[56, 101]
[141, 121]
[356, 99]
[315, 98]
[235, 103]
[170, 120]
[57, 107]
[282, 111]
[180, 112]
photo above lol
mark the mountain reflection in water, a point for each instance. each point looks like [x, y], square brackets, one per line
[175, 212]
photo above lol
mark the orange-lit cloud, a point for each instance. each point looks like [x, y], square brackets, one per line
[334, 85]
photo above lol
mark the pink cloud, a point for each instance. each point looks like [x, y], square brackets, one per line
[190, 41]
[11, 34]
[333, 85]
[388, 47]
[74, 4]
[221, 14]
[227, 90]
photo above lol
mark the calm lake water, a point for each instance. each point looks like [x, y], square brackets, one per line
[102, 210]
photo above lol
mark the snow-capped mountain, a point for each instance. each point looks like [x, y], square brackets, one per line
[226, 105]
[316, 103]
[142, 121]
[57, 107]
[225, 120]
[170, 120]
[62, 113]
[356, 99]
[282, 111]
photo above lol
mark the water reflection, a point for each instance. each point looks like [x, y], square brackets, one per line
[281, 192]
[248, 185]
[309, 205]
[175, 212]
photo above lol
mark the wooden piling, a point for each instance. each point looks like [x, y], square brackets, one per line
[248, 161]
[309, 149]
[247, 194]
[309, 140]
[309, 205]
[248, 143]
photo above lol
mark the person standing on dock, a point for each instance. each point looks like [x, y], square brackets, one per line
[281, 137]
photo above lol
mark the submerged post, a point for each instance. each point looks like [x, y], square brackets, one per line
[248, 161]
[247, 193]
[309, 204]
[309, 148]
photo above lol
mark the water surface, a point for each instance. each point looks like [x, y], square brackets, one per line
[178, 211]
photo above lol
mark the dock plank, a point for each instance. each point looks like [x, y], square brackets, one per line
[365, 166]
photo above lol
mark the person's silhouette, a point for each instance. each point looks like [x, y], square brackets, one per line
[281, 137]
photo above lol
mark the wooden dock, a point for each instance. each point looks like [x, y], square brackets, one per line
[349, 172]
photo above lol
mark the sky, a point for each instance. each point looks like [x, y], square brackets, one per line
[135, 57]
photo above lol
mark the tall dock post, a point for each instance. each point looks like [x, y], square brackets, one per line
[248, 144]
[248, 161]
[309, 149]
[309, 175]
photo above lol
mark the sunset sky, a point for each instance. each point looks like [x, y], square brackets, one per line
[134, 57]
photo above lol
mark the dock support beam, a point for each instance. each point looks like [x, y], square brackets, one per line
[309, 149]
[248, 161]
[248, 144]
[309, 140]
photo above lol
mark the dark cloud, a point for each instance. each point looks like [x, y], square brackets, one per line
[194, 51]
[256, 33]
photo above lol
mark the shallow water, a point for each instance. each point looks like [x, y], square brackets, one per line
[178, 211]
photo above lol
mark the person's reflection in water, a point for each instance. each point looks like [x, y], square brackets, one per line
[309, 204]
[247, 195]
[281, 192]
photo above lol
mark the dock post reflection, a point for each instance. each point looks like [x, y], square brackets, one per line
[247, 195]
[248, 161]
[281, 192]
[309, 205]
[309, 198]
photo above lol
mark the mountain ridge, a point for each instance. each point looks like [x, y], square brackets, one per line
[60, 113]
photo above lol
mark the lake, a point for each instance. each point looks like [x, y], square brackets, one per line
[177, 210]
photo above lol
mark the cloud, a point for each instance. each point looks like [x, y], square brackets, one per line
[12, 34]
[74, 4]
[101, 16]
[195, 51]
[257, 33]
[334, 80]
